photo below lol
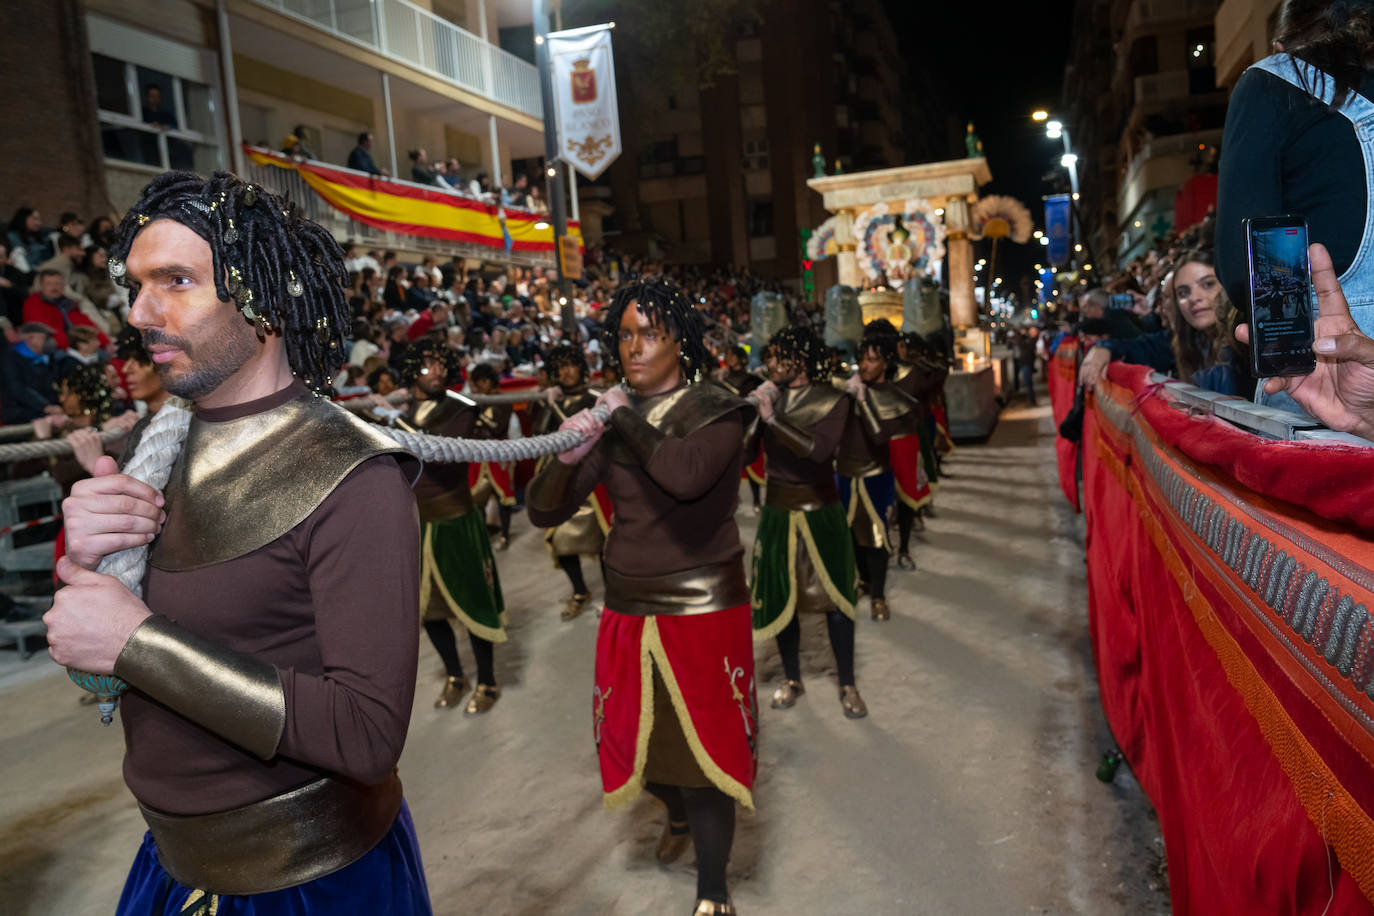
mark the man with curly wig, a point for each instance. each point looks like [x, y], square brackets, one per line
[803, 560]
[271, 656]
[673, 702]
[458, 578]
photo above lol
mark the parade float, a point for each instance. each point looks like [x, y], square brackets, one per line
[892, 231]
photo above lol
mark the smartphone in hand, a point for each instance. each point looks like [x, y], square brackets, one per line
[1281, 299]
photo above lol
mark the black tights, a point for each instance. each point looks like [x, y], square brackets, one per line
[754, 489]
[711, 814]
[571, 564]
[841, 630]
[503, 516]
[440, 633]
[906, 517]
[873, 569]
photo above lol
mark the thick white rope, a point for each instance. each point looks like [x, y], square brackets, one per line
[448, 451]
[152, 464]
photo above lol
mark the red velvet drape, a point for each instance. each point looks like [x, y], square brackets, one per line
[1255, 749]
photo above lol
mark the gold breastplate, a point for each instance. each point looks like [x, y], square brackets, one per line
[240, 484]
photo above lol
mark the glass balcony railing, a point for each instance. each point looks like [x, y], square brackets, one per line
[406, 33]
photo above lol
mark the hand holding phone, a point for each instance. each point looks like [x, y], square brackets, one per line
[1281, 314]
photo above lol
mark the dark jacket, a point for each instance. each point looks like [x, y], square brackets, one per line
[29, 383]
[361, 160]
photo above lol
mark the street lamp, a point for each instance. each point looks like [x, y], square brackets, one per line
[1039, 115]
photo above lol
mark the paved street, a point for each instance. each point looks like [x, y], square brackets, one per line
[970, 788]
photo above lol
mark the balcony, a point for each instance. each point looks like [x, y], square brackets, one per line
[1150, 15]
[407, 34]
[1164, 161]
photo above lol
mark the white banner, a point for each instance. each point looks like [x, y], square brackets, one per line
[584, 98]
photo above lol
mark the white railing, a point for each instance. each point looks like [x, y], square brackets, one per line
[404, 32]
[289, 183]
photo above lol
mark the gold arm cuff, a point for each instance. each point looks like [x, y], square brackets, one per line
[702, 590]
[637, 433]
[796, 441]
[802, 497]
[548, 491]
[870, 419]
[279, 842]
[236, 695]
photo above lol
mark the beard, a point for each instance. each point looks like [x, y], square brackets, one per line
[212, 361]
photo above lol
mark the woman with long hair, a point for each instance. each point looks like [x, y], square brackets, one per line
[1292, 145]
[1202, 320]
[29, 244]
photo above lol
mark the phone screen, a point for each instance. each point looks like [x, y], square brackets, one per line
[1122, 301]
[1280, 297]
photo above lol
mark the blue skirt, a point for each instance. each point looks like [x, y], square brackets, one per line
[388, 881]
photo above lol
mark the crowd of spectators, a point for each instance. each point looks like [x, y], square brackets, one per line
[510, 318]
[65, 330]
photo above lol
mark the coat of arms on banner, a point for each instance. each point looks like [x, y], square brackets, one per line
[583, 82]
[584, 98]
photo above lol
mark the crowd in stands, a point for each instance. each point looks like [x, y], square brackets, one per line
[448, 174]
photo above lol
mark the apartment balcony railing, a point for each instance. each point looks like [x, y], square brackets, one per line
[291, 185]
[410, 35]
[1134, 187]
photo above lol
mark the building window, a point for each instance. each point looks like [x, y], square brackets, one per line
[755, 155]
[760, 217]
[155, 119]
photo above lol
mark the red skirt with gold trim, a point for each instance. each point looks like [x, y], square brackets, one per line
[913, 486]
[707, 663]
[497, 474]
[756, 469]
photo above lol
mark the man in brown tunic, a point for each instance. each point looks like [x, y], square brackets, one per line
[585, 533]
[674, 709]
[803, 557]
[458, 575]
[271, 657]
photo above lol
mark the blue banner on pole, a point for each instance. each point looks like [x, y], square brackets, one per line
[1057, 228]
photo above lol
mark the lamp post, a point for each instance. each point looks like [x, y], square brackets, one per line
[1055, 130]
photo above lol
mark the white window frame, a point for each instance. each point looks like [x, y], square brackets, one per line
[135, 48]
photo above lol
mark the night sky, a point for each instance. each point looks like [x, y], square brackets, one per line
[994, 65]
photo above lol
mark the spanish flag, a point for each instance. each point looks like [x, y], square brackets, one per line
[415, 210]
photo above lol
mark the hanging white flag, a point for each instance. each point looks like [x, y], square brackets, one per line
[584, 98]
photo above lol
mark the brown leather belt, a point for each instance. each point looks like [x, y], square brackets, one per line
[801, 497]
[279, 842]
[702, 590]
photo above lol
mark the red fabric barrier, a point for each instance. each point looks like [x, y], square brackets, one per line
[1063, 383]
[1235, 651]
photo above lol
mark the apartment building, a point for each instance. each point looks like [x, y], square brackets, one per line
[184, 83]
[720, 175]
[1157, 125]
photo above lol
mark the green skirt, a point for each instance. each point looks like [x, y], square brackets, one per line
[802, 560]
[458, 576]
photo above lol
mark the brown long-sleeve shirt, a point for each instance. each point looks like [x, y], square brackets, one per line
[674, 508]
[785, 465]
[333, 605]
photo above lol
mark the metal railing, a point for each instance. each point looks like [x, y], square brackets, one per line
[290, 184]
[404, 32]
[1257, 418]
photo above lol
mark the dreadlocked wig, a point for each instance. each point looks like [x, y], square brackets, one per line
[881, 337]
[92, 390]
[284, 272]
[565, 354]
[413, 363]
[662, 302]
[798, 345]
